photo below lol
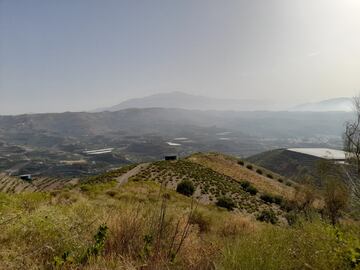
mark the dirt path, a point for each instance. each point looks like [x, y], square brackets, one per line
[123, 179]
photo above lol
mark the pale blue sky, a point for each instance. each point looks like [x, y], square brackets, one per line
[83, 54]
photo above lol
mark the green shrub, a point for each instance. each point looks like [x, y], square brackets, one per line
[268, 216]
[186, 187]
[281, 180]
[240, 162]
[249, 166]
[267, 198]
[270, 176]
[259, 171]
[278, 199]
[248, 187]
[245, 184]
[252, 190]
[226, 202]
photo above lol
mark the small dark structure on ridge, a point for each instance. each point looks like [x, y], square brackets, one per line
[170, 157]
[26, 177]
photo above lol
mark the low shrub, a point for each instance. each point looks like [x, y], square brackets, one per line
[280, 180]
[252, 190]
[249, 166]
[270, 176]
[240, 162]
[268, 216]
[226, 202]
[186, 187]
[267, 198]
[245, 184]
[278, 199]
[248, 187]
[259, 171]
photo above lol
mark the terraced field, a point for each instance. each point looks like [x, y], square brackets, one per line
[262, 179]
[214, 176]
[210, 185]
[12, 184]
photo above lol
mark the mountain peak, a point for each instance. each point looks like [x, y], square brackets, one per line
[182, 100]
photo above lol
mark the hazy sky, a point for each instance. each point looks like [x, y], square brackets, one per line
[83, 54]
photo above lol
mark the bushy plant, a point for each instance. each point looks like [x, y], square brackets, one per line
[252, 190]
[268, 216]
[186, 187]
[245, 184]
[226, 202]
[278, 199]
[259, 171]
[270, 176]
[249, 166]
[240, 162]
[267, 198]
[248, 187]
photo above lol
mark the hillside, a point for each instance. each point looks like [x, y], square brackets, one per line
[213, 175]
[298, 166]
[132, 218]
[263, 179]
[11, 184]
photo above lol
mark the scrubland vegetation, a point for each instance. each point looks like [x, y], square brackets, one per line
[141, 226]
[144, 224]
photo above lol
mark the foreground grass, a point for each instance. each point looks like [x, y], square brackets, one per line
[141, 226]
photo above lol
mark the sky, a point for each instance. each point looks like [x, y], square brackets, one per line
[75, 55]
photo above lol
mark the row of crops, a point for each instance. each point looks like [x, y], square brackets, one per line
[208, 183]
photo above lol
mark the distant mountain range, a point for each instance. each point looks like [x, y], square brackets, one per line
[182, 100]
[335, 104]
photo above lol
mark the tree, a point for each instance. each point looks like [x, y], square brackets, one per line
[352, 147]
[352, 136]
[336, 197]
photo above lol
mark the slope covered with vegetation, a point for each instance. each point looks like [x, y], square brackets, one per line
[146, 224]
